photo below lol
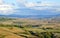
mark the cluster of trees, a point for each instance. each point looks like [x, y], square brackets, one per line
[43, 34]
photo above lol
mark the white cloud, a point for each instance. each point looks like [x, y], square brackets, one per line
[44, 6]
[1, 1]
[21, 1]
[29, 4]
[40, 5]
[6, 8]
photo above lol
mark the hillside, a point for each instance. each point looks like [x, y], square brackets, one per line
[29, 28]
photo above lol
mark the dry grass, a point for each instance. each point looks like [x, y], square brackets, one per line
[15, 32]
[9, 33]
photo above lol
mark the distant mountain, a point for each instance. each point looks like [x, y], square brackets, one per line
[30, 13]
[31, 16]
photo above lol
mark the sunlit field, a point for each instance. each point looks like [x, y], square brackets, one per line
[29, 28]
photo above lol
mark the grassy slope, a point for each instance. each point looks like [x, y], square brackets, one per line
[17, 32]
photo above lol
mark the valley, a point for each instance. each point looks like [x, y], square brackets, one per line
[29, 28]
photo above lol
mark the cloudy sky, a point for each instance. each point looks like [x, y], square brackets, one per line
[29, 7]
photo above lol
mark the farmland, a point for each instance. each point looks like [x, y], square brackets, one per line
[29, 28]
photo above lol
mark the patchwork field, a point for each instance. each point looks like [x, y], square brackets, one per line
[29, 28]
